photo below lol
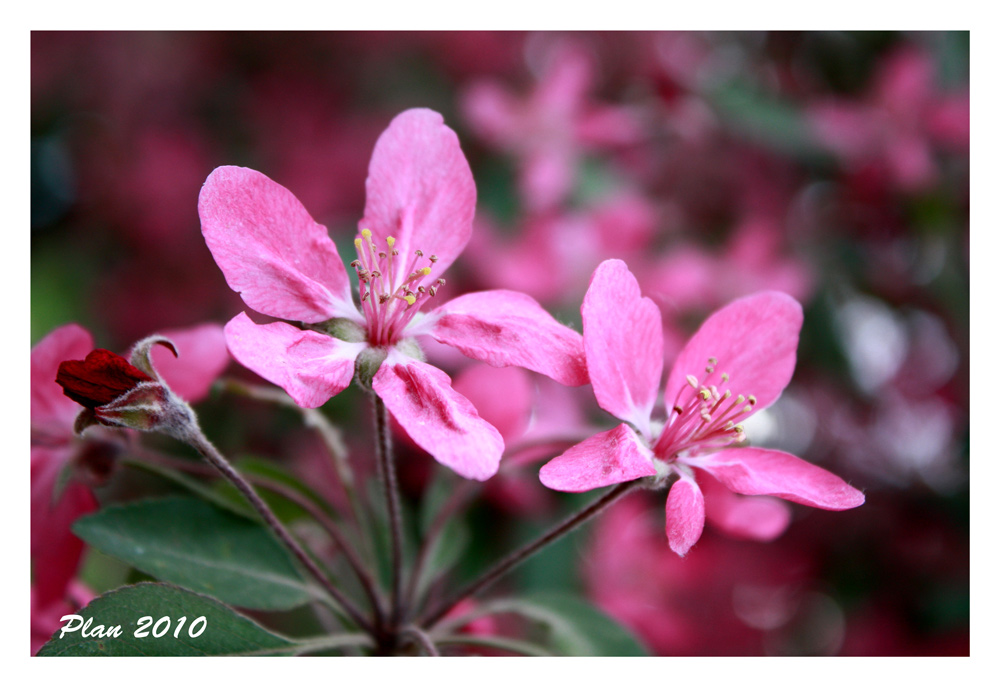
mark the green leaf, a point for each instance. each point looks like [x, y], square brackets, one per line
[772, 122]
[571, 626]
[445, 552]
[237, 506]
[199, 546]
[224, 632]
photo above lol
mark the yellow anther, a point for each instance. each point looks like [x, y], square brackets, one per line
[727, 394]
[740, 399]
[357, 244]
[410, 299]
[705, 394]
[391, 240]
[424, 271]
[367, 233]
[725, 376]
[747, 409]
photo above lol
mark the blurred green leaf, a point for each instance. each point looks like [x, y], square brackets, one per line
[555, 567]
[197, 545]
[58, 292]
[771, 122]
[952, 52]
[446, 551]
[233, 503]
[572, 626]
[224, 632]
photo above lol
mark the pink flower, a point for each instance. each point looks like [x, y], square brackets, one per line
[418, 218]
[550, 129]
[901, 123]
[753, 259]
[735, 365]
[46, 619]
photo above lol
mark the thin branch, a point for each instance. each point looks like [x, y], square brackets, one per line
[387, 472]
[513, 646]
[317, 514]
[504, 566]
[201, 444]
[421, 638]
[314, 419]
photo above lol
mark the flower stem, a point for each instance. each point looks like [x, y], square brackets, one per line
[318, 514]
[312, 418]
[512, 559]
[196, 439]
[387, 471]
[422, 640]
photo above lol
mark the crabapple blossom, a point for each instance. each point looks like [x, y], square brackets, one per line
[905, 119]
[549, 129]
[737, 363]
[418, 218]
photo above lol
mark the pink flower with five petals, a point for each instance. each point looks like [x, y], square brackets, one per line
[418, 218]
[736, 364]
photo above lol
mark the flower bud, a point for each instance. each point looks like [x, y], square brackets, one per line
[119, 393]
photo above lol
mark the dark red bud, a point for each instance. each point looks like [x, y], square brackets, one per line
[99, 379]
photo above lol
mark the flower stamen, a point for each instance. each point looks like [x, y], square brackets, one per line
[389, 300]
[700, 419]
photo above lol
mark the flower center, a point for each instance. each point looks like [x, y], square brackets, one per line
[390, 296]
[703, 417]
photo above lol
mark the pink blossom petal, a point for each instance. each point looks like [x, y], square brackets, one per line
[948, 122]
[760, 518]
[609, 126]
[547, 176]
[492, 112]
[685, 515]
[510, 328]
[52, 411]
[758, 471]
[563, 87]
[912, 162]
[623, 338]
[850, 130]
[55, 550]
[611, 457]
[420, 190]
[438, 419]
[280, 261]
[754, 340]
[502, 396]
[310, 366]
[202, 356]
